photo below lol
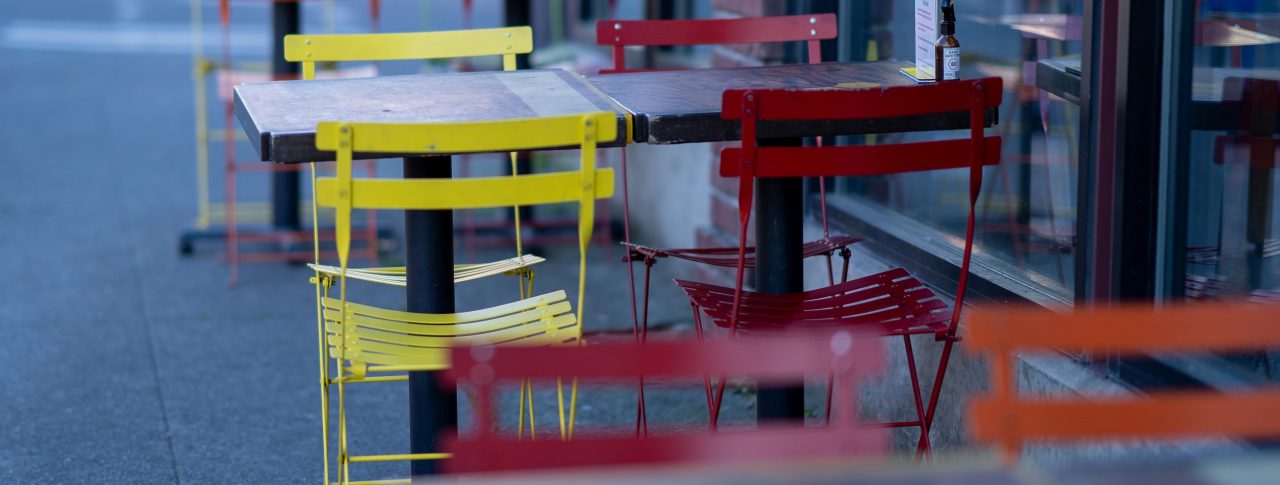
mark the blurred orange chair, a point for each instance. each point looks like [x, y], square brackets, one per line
[1001, 417]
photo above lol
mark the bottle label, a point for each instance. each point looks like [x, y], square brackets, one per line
[950, 63]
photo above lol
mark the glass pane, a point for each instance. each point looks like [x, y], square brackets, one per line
[1026, 213]
[1231, 196]
[1231, 217]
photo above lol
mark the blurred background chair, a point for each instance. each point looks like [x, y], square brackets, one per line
[850, 358]
[248, 222]
[1005, 418]
[890, 303]
[362, 340]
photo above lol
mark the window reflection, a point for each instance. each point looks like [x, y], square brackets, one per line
[1231, 242]
[1027, 210]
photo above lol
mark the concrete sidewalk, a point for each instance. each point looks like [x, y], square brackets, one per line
[126, 363]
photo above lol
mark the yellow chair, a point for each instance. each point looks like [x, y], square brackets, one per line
[367, 343]
[505, 42]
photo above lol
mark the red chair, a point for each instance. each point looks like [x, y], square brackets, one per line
[245, 223]
[619, 34]
[787, 359]
[892, 303]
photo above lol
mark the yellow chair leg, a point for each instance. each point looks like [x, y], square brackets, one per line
[533, 431]
[573, 406]
[520, 418]
[564, 434]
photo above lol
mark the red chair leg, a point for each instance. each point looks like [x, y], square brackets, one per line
[937, 387]
[644, 317]
[831, 382]
[641, 329]
[714, 399]
[844, 274]
[229, 215]
[644, 337]
[468, 217]
[371, 219]
[706, 380]
[831, 277]
[642, 417]
[719, 402]
[924, 446]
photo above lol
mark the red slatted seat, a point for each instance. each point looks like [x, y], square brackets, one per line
[890, 303]
[728, 257]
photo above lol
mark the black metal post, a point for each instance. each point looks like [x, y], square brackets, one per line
[780, 268]
[1029, 119]
[517, 13]
[1175, 144]
[428, 237]
[284, 185]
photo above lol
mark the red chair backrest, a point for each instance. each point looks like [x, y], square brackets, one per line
[753, 106]
[749, 30]
[1002, 418]
[841, 354]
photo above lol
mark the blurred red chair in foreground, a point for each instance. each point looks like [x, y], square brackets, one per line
[848, 357]
[1001, 417]
[619, 34]
[891, 303]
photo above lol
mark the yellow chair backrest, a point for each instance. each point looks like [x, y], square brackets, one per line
[450, 44]
[345, 193]
[505, 41]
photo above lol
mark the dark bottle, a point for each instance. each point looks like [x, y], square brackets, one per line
[946, 52]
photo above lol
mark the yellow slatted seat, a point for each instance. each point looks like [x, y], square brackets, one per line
[394, 276]
[366, 342]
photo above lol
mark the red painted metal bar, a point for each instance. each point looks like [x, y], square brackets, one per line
[848, 355]
[748, 30]
[858, 160]
[783, 358]
[727, 257]
[856, 104]
[769, 445]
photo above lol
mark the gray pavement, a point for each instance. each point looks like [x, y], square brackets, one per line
[126, 363]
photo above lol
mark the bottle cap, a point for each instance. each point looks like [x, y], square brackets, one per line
[948, 26]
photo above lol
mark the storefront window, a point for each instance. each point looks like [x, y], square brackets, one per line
[1027, 210]
[1231, 240]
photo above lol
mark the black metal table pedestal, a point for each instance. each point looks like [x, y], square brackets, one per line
[284, 184]
[780, 268]
[428, 236]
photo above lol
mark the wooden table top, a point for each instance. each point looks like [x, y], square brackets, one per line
[280, 117]
[684, 106]
[668, 106]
